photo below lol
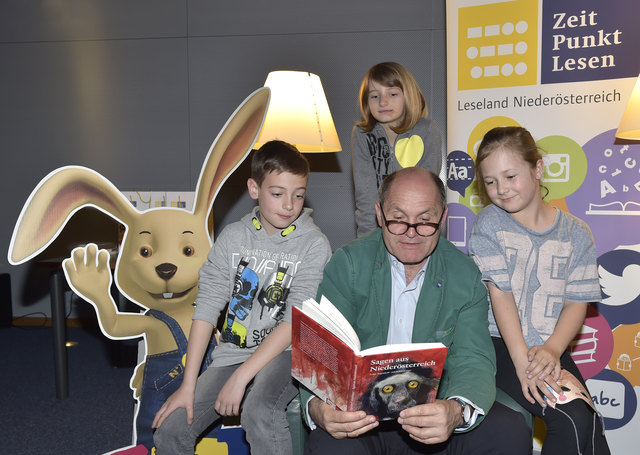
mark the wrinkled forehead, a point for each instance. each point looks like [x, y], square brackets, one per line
[413, 204]
[414, 193]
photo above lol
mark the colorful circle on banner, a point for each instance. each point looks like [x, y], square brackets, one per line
[592, 347]
[565, 165]
[608, 201]
[475, 198]
[619, 272]
[481, 129]
[458, 226]
[625, 358]
[460, 171]
[613, 397]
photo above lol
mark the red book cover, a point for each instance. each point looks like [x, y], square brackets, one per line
[382, 381]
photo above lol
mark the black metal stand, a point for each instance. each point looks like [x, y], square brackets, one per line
[57, 285]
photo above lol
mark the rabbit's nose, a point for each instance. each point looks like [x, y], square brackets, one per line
[166, 270]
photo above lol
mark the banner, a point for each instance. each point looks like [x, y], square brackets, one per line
[564, 70]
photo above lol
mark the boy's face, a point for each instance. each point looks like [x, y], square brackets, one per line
[280, 198]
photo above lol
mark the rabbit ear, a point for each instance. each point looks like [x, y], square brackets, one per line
[52, 203]
[230, 148]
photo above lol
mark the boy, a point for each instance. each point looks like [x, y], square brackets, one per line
[271, 259]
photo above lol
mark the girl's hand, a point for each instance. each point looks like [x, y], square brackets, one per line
[543, 363]
[181, 398]
[230, 396]
[531, 387]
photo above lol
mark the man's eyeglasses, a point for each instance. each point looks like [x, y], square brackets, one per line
[401, 227]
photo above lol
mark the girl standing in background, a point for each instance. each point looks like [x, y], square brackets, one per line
[394, 133]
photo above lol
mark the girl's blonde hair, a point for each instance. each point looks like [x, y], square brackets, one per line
[391, 74]
[514, 138]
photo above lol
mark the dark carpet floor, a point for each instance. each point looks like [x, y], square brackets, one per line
[97, 417]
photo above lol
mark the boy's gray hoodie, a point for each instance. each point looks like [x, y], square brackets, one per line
[260, 276]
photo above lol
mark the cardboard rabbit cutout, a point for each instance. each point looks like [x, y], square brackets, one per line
[160, 256]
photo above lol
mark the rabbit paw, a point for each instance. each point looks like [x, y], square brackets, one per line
[88, 272]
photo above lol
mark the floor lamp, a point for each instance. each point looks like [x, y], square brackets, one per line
[629, 128]
[299, 113]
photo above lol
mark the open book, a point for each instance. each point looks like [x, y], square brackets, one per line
[384, 380]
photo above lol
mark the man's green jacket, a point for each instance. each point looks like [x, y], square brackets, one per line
[452, 309]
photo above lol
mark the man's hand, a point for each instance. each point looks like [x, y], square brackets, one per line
[433, 422]
[340, 424]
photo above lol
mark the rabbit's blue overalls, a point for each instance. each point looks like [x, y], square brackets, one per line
[163, 375]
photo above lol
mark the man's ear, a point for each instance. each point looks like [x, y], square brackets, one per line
[254, 188]
[444, 215]
[378, 213]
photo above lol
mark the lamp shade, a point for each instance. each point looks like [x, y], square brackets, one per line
[630, 124]
[298, 113]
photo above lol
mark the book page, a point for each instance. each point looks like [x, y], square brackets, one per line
[385, 348]
[330, 318]
[320, 360]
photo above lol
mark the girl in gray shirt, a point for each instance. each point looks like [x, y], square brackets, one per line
[539, 264]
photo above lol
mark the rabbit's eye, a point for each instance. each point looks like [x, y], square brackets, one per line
[188, 251]
[145, 252]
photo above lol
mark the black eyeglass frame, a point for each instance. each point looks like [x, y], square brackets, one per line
[415, 226]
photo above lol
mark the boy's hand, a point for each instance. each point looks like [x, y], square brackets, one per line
[181, 398]
[340, 424]
[230, 396]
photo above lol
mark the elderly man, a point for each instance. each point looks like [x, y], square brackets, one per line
[400, 284]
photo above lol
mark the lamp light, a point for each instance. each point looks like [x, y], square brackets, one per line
[298, 113]
[630, 124]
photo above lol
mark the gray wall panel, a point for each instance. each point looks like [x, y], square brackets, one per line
[438, 98]
[250, 17]
[61, 20]
[115, 106]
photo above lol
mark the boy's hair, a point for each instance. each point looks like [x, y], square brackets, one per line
[392, 74]
[278, 156]
[516, 139]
